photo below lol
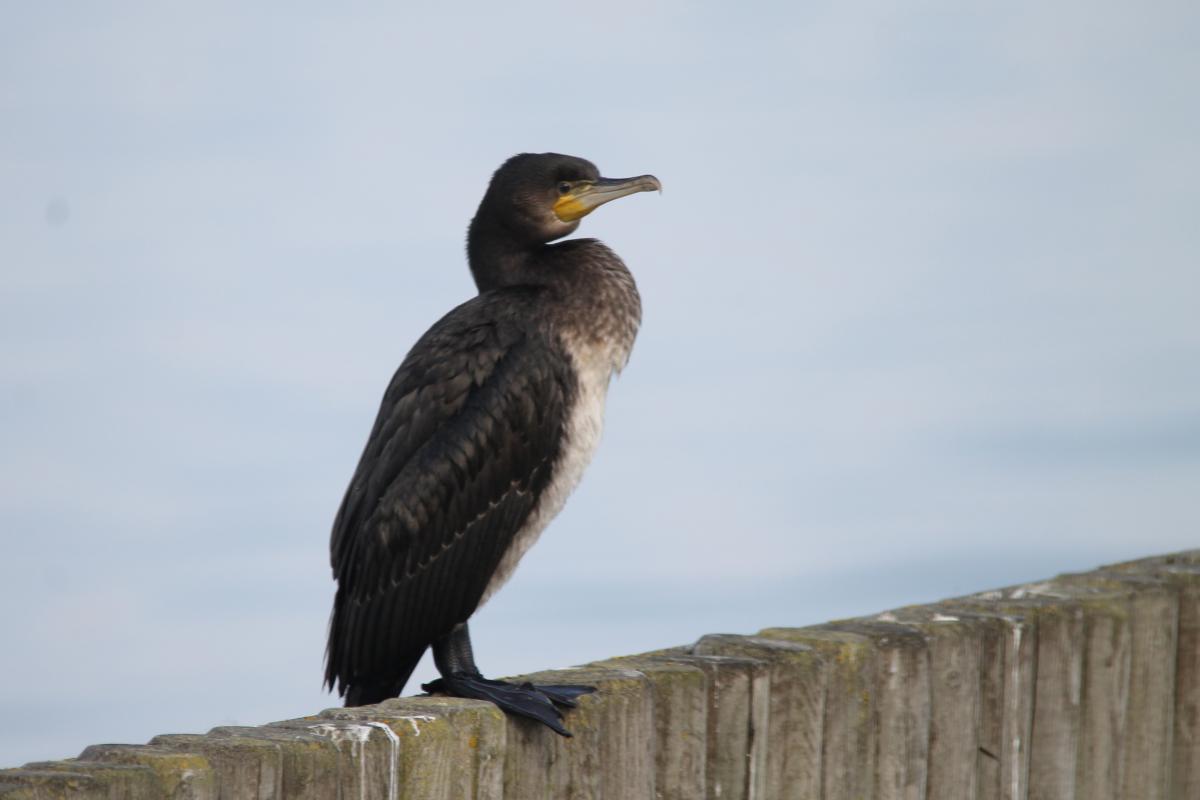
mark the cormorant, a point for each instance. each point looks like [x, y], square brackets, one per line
[484, 430]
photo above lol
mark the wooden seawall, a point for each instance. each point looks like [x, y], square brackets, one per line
[1082, 687]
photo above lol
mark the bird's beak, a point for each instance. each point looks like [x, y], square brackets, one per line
[587, 196]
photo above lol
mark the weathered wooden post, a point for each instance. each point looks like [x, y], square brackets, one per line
[1083, 687]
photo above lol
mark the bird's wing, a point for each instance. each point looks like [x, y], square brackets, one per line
[460, 452]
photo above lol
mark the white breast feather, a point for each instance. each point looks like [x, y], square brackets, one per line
[595, 367]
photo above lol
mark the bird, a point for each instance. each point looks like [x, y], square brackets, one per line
[484, 430]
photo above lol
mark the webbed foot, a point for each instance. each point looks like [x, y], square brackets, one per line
[536, 702]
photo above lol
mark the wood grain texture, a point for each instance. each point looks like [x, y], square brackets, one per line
[1181, 571]
[848, 728]
[1008, 675]
[681, 700]
[796, 714]
[737, 721]
[963, 739]
[611, 754]
[1082, 687]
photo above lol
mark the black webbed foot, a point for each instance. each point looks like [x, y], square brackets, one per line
[563, 694]
[539, 703]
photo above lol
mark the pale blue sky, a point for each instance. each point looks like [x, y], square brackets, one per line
[920, 318]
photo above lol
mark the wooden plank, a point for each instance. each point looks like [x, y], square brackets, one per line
[1084, 687]
[290, 762]
[1055, 739]
[611, 754]
[75, 779]
[182, 776]
[1185, 783]
[796, 713]
[902, 688]
[1008, 672]
[256, 765]
[876, 733]
[1153, 608]
[1181, 571]
[963, 740]
[1128, 729]
[849, 727]
[737, 724]
[420, 748]
[1105, 704]
[681, 699]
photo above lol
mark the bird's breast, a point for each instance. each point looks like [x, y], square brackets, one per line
[594, 323]
[594, 364]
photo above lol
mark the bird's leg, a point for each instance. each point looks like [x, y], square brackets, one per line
[453, 654]
[461, 678]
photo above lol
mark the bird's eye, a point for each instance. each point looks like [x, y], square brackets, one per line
[564, 188]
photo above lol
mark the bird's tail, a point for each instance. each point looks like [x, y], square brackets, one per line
[365, 691]
[370, 692]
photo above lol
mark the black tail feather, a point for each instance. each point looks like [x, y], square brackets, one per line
[369, 692]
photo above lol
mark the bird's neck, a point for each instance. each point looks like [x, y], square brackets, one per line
[498, 259]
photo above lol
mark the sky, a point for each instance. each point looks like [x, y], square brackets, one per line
[920, 319]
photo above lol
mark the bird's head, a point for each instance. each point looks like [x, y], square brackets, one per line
[540, 197]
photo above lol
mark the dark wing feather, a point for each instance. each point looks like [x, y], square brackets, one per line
[460, 452]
